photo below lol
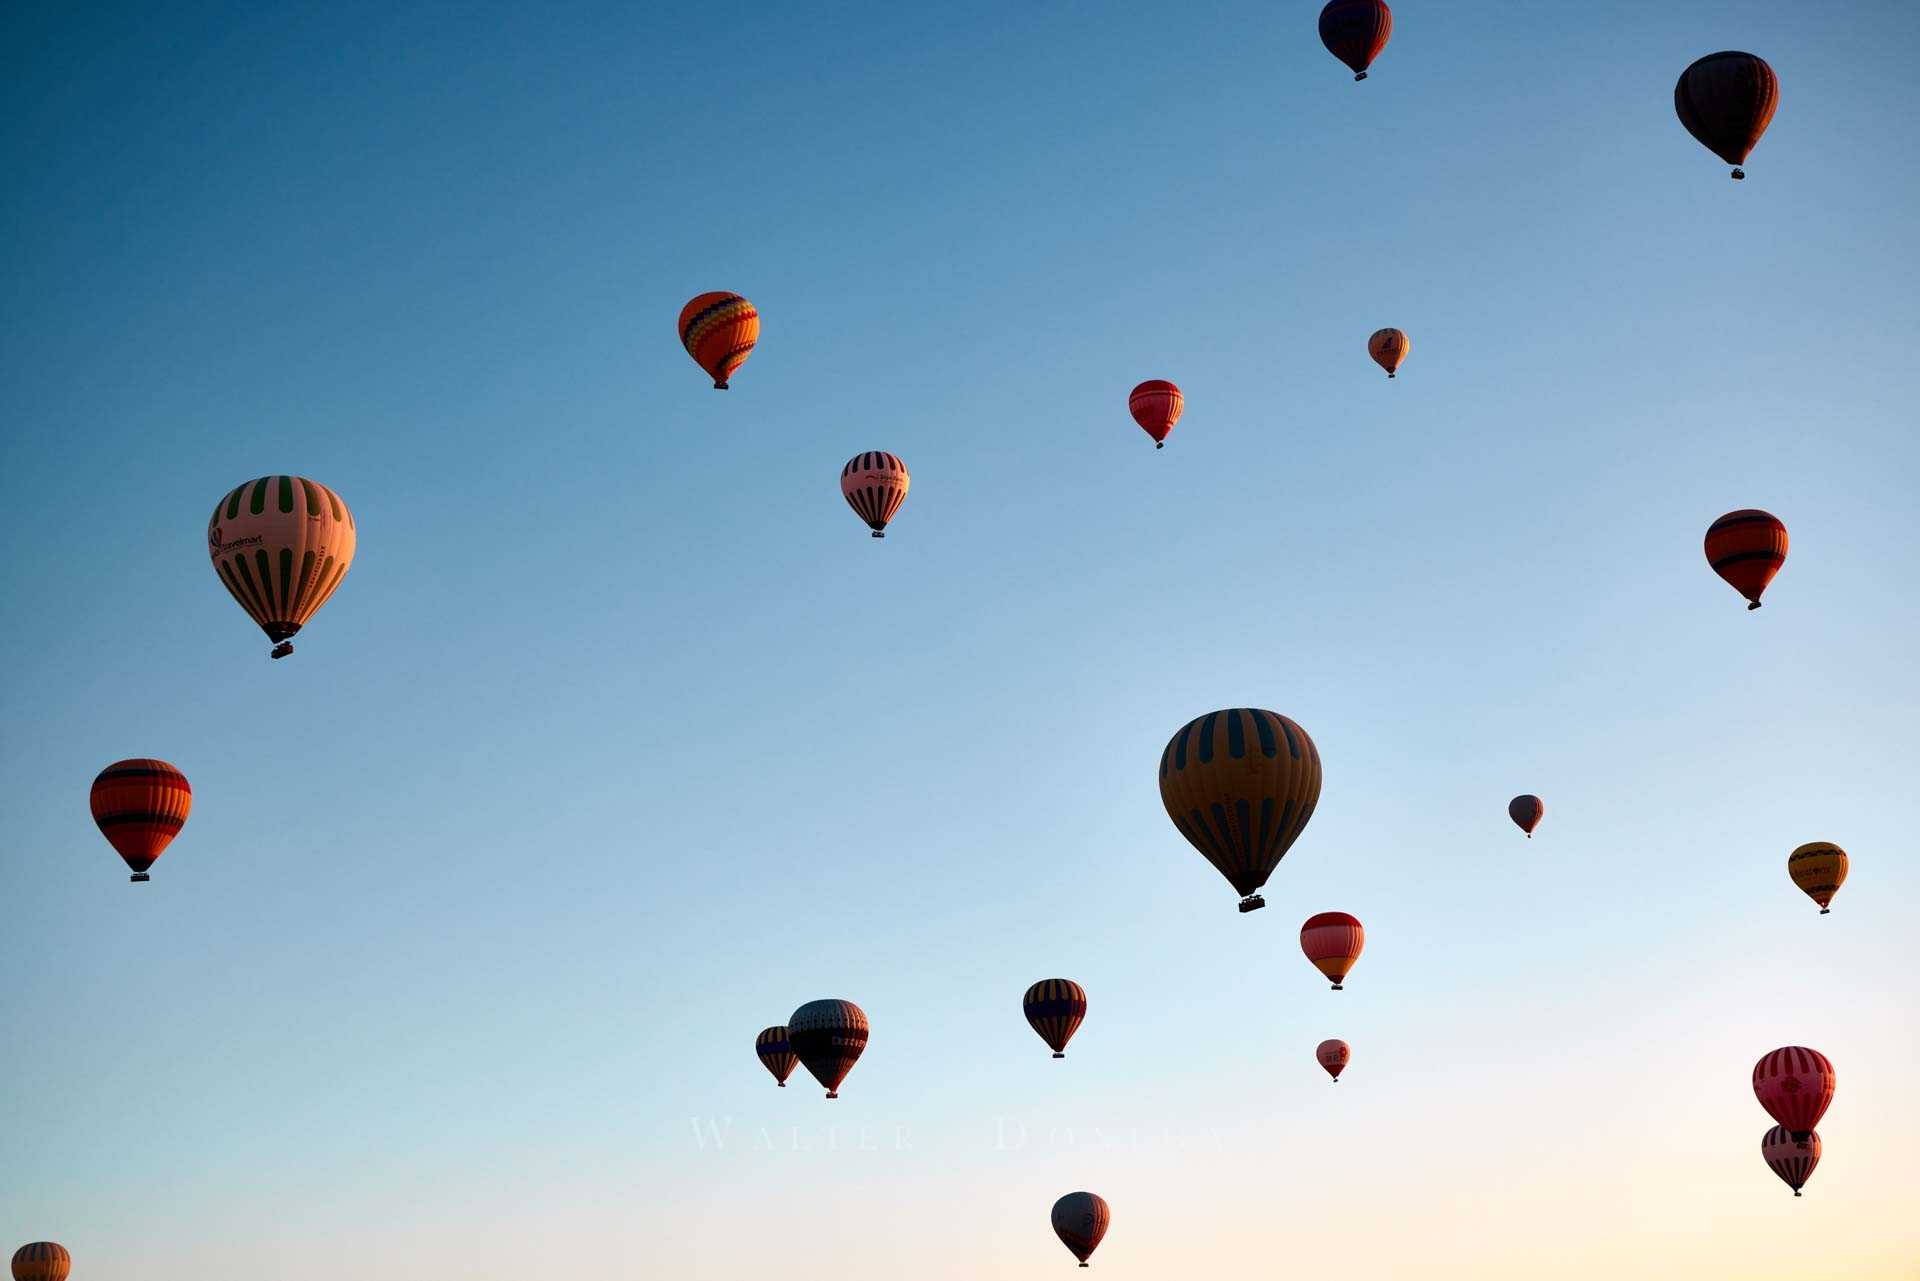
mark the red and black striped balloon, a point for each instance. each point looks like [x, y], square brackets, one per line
[1747, 548]
[1790, 1158]
[140, 805]
[1355, 31]
[776, 1054]
[1055, 1009]
[1795, 1085]
[42, 1261]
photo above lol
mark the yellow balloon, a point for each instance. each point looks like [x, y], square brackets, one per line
[1819, 868]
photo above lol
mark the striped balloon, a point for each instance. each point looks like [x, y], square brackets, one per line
[281, 544]
[1055, 1009]
[1819, 868]
[1726, 101]
[1240, 785]
[140, 805]
[776, 1054]
[1747, 548]
[1355, 31]
[1156, 405]
[1333, 1056]
[1080, 1219]
[719, 330]
[1332, 941]
[1389, 347]
[42, 1261]
[1526, 812]
[1790, 1158]
[874, 485]
[1795, 1085]
[828, 1036]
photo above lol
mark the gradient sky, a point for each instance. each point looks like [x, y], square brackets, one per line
[622, 739]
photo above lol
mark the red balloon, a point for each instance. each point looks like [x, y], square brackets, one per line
[1333, 1056]
[1156, 405]
[1526, 811]
[1794, 1084]
[1355, 31]
[1790, 1158]
[1080, 1219]
[140, 805]
[1332, 941]
[1747, 548]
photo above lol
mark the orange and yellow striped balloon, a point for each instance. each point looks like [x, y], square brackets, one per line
[719, 331]
[1819, 868]
[42, 1261]
[281, 545]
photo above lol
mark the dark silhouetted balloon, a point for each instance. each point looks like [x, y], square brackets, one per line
[1240, 785]
[776, 1054]
[1332, 941]
[1726, 101]
[1747, 548]
[1355, 31]
[1819, 868]
[281, 545]
[874, 485]
[1795, 1085]
[828, 1036]
[1526, 811]
[1156, 405]
[719, 331]
[1334, 1057]
[1055, 1008]
[1080, 1219]
[42, 1261]
[140, 805]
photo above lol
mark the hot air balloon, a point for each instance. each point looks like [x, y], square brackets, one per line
[828, 1037]
[1080, 1219]
[1156, 405]
[281, 544]
[1790, 1158]
[1794, 1084]
[1389, 347]
[1333, 1056]
[1055, 1008]
[1332, 941]
[1355, 31]
[42, 1261]
[1819, 868]
[1747, 548]
[719, 330]
[1526, 811]
[776, 1054]
[140, 805]
[1726, 100]
[874, 485]
[1240, 785]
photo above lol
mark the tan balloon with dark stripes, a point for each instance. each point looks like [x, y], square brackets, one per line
[1240, 785]
[281, 545]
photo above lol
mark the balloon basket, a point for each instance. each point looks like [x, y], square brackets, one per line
[720, 386]
[1752, 605]
[781, 1084]
[1825, 910]
[138, 877]
[1059, 1055]
[833, 1094]
[281, 650]
[1159, 444]
[1338, 988]
[1252, 903]
[1358, 76]
[879, 533]
[1739, 175]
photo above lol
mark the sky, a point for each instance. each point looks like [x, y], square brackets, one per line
[622, 739]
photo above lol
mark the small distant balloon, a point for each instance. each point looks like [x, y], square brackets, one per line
[1795, 1085]
[1726, 101]
[1332, 941]
[828, 1037]
[1355, 31]
[1333, 1056]
[1790, 1158]
[1156, 405]
[1526, 812]
[719, 331]
[1080, 1219]
[1819, 868]
[1389, 347]
[1055, 1009]
[42, 1261]
[140, 805]
[281, 545]
[776, 1054]
[875, 484]
[1747, 548]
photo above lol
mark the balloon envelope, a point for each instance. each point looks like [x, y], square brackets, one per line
[875, 484]
[140, 805]
[828, 1036]
[1526, 811]
[1819, 868]
[1747, 548]
[1332, 941]
[281, 545]
[1726, 101]
[719, 330]
[1055, 1009]
[776, 1054]
[1790, 1158]
[1156, 405]
[1795, 1085]
[1080, 1219]
[41, 1261]
[1355, 31]
[1240, 785]
[1389, 347]
[1333, 1056]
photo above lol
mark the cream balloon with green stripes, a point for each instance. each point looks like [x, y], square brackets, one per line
[281, 544]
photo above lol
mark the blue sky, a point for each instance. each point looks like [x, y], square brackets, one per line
[622, 739]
